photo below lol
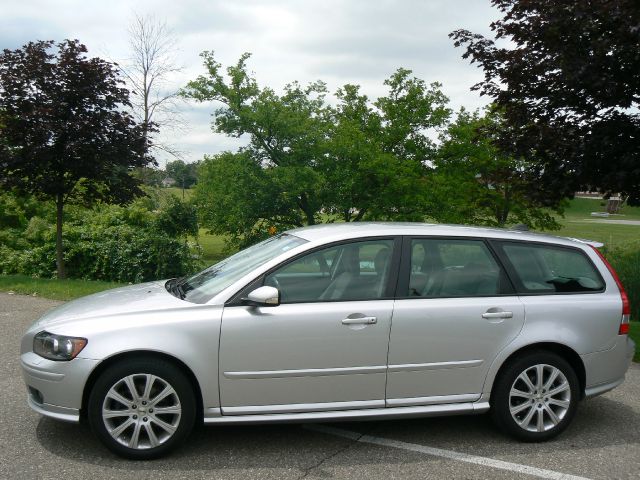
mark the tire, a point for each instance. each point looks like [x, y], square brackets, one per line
[150, 423]
[533, 411]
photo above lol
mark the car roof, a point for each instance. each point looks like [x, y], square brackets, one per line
[326, 232]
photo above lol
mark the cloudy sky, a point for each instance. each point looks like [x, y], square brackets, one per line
[338, 41]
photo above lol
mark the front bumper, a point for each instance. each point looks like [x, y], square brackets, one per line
[55, 388]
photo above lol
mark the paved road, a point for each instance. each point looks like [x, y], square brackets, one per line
[606, 220]
[603, 442]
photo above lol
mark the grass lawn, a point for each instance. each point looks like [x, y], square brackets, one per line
[582, 208]
[213, 247]
[612, 235]
[177, 191]
[578, 223]
[51, 288]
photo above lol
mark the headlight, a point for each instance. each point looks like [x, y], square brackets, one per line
[57, 347]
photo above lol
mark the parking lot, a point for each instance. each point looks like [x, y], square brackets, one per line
[602, 442]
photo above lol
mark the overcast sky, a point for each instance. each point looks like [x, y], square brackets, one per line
[337, 41]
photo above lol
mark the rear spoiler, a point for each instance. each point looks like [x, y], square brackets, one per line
[593, 243]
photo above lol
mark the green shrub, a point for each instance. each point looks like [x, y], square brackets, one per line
[626, 262]
[37, 229]
[121, 244]
[177, 218]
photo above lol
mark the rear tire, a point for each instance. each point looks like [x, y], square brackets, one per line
[535, 397]
[142, 408]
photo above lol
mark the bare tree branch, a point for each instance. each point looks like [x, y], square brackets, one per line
[149, 71]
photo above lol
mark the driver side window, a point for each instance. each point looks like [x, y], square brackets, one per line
[352, 271]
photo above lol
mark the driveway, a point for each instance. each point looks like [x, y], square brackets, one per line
[603, 441]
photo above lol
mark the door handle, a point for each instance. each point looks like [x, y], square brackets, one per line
[360, 321]
[497, 315]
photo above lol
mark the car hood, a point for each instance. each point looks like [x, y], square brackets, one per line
[144, 297]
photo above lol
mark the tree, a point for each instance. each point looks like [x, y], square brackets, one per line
[369, 172]
[314, 161]
[183, 173]
[480, 184]
[177, 218]
[235, 196]
[148, 72]
[285, 131]
[565, 76]
[65, 133]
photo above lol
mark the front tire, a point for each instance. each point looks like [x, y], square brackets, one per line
[536, 397]
[142, 408]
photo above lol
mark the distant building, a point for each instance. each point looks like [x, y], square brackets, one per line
[168, 182]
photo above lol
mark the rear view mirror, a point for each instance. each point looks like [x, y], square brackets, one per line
[263, 297]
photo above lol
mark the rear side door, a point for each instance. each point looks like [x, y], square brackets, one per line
[563, 293]
[456, 309]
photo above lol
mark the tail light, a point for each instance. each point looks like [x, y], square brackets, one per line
[626, 306]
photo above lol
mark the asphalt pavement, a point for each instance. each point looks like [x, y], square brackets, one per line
[603, 441]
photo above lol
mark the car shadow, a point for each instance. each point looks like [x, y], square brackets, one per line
[599, 423]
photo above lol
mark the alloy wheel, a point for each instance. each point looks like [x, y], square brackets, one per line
[539, 398]
[141, 411]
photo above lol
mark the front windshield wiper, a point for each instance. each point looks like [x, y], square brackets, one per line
[180, 289]
[175, 288]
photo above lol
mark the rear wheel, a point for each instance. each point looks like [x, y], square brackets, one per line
[536, 397]
[142, 408]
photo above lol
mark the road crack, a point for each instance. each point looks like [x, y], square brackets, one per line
[307, 471]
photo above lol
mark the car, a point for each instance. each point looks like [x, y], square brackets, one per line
[353, 321]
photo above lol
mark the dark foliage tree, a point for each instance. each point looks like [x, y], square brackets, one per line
[64, 133]
[566, 76]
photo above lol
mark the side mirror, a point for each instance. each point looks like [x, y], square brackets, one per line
[263, 297]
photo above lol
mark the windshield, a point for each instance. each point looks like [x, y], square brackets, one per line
[203, 286]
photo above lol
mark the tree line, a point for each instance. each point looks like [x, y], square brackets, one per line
[564, 116]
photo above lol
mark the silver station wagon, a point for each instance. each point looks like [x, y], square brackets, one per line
[341, 322]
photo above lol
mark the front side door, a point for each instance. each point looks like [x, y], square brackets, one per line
[455, 312]
[325, 346]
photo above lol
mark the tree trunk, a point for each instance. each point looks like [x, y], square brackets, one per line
[59, 251]
[308, 211]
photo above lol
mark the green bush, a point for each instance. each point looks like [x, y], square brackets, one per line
[121, 244]
[626, 262]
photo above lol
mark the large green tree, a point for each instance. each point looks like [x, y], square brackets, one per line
[308, 160]
[64, 131]
[478, 183]
[565, 75]
[285, 131]
[379, 153]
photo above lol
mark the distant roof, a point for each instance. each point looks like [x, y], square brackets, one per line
[338, 231]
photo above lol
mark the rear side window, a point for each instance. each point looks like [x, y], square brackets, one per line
[551, 269]
[443, 268]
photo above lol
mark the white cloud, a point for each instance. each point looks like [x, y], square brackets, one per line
[338, 41]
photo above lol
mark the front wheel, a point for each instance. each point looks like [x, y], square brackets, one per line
[143, 408]
[536, 397]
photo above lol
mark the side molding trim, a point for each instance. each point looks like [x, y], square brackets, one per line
[212, 415]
